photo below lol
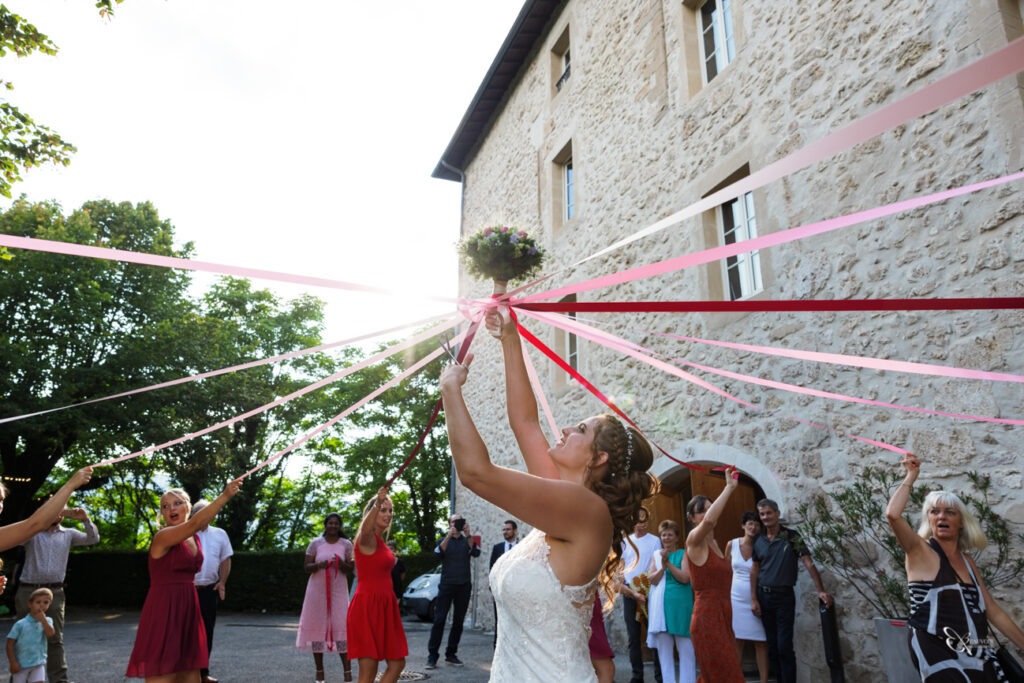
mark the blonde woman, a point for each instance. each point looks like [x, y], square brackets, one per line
[170, 645]
[374, 624]
[950, 607]
[581, 495]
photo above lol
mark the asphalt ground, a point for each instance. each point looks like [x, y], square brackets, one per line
[261, 647]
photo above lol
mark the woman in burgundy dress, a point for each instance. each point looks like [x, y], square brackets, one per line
[170, 646]
[374, 625]
[711, 577]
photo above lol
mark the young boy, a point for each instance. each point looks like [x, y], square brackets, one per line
[26, 643]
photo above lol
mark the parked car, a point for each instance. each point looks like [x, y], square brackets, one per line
[421, 595]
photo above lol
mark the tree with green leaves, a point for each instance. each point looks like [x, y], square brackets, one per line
[73, 329]
[383, 434]
[240, 324]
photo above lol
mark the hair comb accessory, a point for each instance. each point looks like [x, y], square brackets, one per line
[629, 449]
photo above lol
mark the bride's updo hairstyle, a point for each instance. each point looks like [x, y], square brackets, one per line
[624, 486]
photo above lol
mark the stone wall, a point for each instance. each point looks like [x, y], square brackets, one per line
[649, 139]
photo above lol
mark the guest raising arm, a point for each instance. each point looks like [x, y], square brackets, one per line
[950, 604]
[17, 533]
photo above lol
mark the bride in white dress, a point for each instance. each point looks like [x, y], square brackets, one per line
[581, 495]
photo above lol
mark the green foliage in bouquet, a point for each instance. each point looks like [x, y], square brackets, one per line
[501, 253]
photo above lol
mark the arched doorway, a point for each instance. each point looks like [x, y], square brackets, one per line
[683, 483]
[680, 483]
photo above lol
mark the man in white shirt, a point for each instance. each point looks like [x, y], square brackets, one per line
[634, 563]
[212, 578]
[46, 562]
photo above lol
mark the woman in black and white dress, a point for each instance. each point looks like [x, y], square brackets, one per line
[950, 605]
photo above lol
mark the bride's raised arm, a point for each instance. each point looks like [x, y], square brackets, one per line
[520, 401]
[562, 509]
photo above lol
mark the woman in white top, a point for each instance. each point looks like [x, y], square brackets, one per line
[745, 623]
[582, 496]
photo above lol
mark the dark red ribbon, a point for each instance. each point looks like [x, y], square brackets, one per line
[982, 303]
[329, 632]
[460, 356]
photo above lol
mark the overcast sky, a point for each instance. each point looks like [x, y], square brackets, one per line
[295, 136]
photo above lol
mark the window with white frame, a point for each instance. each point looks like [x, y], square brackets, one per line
[568, 188]
[717, 44]
[568, 344]
[743, 271]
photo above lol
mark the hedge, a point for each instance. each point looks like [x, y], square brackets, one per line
[271, 581]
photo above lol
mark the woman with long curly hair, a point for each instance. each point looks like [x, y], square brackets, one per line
[581, 495]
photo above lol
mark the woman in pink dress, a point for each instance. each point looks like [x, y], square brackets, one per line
[711, 577]
[170, 645]
[325, 607]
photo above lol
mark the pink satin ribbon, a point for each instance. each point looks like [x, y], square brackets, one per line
[631, 349]
[416, 367]
[982, 72]
[538, 390]
[71, 249]
[235, 368]
[853, 361]
[763, 242]
[401, 346]
[805, 355]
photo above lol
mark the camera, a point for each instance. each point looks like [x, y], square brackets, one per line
[460, 524]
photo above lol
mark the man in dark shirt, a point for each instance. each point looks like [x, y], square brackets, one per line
[508, 533]
[454, 549]
[397, 572]
[772, 578]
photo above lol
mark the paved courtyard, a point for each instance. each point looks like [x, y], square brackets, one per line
[258, 647]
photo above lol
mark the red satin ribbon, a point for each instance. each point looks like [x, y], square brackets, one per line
[528, 336]
[460, 356]
[955, 304]
[329, 632]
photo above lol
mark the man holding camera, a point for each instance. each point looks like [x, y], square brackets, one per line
[454, 549]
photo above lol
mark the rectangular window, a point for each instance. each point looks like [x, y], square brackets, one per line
[564, 207]
[565, 71]
[743, 271]
[717, 45]
[567, 344]
[560, 63]
[570, 196]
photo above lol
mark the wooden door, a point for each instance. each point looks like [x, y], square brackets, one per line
[744, 498]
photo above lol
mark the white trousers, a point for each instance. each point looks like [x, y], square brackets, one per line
[687, 658]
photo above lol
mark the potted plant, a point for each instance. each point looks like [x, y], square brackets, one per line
[847, 533]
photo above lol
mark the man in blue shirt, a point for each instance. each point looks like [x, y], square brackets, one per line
[454, 549]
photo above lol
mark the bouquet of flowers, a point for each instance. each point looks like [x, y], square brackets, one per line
[501, 254]
[642, 585]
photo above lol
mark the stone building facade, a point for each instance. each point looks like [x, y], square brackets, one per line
[608, 108]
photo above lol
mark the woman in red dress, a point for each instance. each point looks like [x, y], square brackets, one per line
[170, 646]
[374, 624]
[711, 577]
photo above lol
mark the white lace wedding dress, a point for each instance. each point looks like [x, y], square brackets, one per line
[543, 626]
